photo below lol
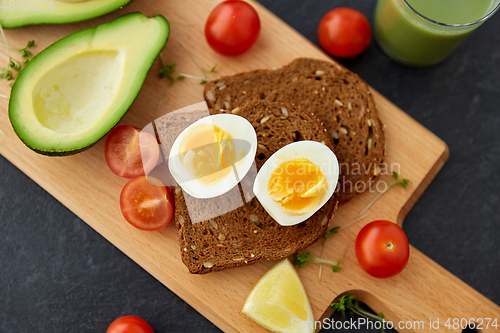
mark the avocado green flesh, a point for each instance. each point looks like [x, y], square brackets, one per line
[63, 11]
[85, 95]
[73, 92]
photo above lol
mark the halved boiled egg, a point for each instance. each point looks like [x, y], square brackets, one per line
[296, 181]
[212, 155]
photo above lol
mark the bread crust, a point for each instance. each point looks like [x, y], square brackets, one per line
[248, 234]
[340, 99]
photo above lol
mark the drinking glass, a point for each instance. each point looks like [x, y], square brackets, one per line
[411, 38]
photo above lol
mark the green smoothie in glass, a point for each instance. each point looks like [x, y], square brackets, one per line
[425, 32]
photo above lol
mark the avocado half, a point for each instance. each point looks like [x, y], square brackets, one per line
[56, 12]
[73, 92]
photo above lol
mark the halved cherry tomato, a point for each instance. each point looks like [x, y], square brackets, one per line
[232, 27]
[129, 324]
[146, 203]
[131, 152]
[382, 249]
[344, 32]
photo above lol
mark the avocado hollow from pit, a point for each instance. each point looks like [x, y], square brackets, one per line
[74, 91]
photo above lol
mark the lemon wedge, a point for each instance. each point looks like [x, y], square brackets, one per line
[279, 302]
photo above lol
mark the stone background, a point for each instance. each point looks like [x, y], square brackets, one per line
[58, 275]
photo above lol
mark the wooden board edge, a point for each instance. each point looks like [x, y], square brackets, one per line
[370, 300]
[144, 262]
[412, 200]
[179, 290]
[433, 171]
[487, 308]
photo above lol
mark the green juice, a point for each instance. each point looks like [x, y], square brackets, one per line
[453, 11]
[413, 40]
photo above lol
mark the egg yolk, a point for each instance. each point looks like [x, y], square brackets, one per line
[297, 186]
[207, 152]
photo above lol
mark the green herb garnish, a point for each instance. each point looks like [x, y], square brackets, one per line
[12, 72]
[325, 236]
[169, 72]
[329, 233]
[347, 303]
[336, 268]
[25, 53]
[6, 74]
[202, 69]
[304, 258]
[404, 182]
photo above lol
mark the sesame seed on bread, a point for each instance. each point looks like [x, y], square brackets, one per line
[248, 234]
[337, 97]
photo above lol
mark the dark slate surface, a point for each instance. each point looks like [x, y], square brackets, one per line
[58, 275]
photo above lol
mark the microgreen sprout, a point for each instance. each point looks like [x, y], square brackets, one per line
[25, 53]
[325, 236]
[355, 221]
[336, 268]
[168, 71]
[15, 67]
[202, 69]
[329, 233]
[348, 303]
[404, 182]
[205, 80]
[5, 73]
[304, 258]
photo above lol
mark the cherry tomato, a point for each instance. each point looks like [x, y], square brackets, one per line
[232, 27]
[382, 249]
[146, 203]
[130, 152]
[344, 32]
[129, 324]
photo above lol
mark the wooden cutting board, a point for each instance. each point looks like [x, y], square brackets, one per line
[86, 186]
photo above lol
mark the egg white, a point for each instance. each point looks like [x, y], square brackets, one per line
[244, 138]
[315, 152]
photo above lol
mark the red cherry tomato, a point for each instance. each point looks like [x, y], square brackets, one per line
[344, 32]
[232, 27]
[130, 152]
[129, 324]
[146, 203]
[382, 249]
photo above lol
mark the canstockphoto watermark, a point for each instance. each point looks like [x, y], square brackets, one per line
[354, 324]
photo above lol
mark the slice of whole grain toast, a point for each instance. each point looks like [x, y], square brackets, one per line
[336, 96]
[248, 234]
